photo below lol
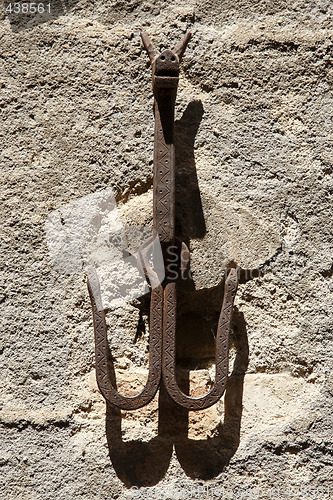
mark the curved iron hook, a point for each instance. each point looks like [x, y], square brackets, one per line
[102, 348]
[221, 347]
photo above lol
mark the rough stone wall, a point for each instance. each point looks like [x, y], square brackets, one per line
[254, 185]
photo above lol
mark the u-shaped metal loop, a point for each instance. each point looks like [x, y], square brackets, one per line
[221, 352]
[102, 348]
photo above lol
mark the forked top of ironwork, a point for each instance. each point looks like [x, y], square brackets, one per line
[165, 65]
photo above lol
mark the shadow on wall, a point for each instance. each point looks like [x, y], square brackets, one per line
[145, 463]
[140, 463]
[190, 222]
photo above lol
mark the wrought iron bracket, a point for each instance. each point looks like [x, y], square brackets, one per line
[163, 303]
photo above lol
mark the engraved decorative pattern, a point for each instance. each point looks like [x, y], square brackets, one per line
[102, 349]
[222, 347]
[163, 183]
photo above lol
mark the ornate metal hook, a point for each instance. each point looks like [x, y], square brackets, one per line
[162, 335]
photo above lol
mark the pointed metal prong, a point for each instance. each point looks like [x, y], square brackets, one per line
[181, 46]
[152, 53]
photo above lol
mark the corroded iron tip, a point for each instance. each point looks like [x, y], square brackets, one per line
[181, 46]
[148, 45]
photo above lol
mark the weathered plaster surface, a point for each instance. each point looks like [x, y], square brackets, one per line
[254, 177]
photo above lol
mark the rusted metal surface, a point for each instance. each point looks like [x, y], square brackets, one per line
[221, 350]
[102, 349]
[163, 305]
